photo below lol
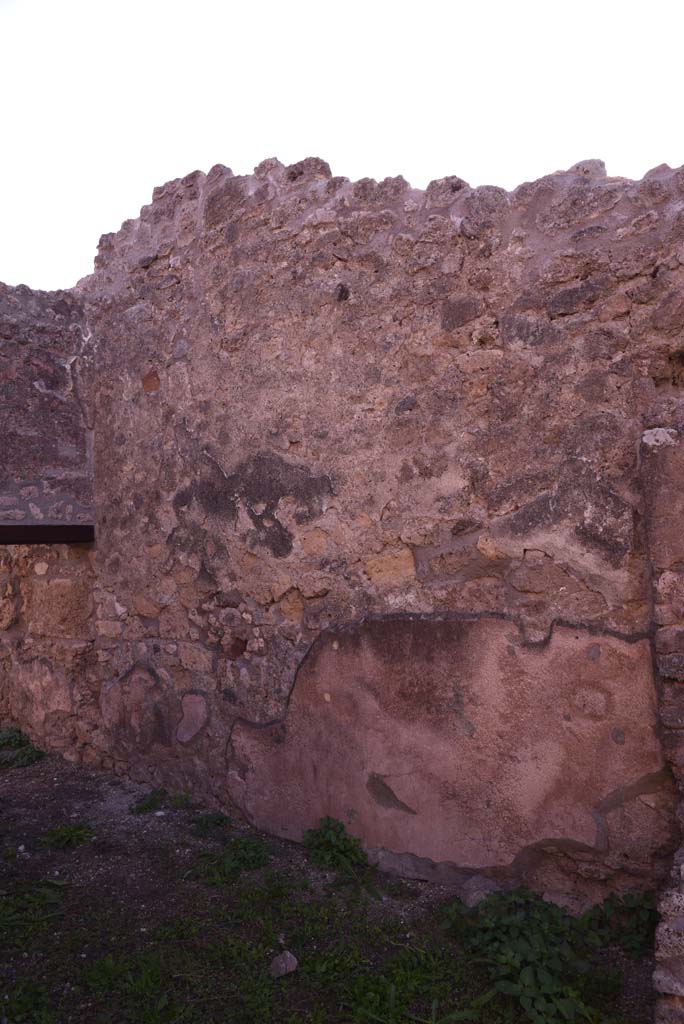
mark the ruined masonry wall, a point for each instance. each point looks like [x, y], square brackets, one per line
[46, 470]
[386, 523]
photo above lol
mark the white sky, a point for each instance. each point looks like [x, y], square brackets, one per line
[104, 99]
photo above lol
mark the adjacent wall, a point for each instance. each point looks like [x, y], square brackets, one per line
[387, 494]
[46, 470]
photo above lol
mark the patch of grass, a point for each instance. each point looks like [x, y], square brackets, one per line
[28, 1003]
[411, 983]
[140, 983]
[12, 739]
[153, 801]
[316, 920]
[249, 990]
[331, 846]
[106, 974]
[265, 902]
[244, 854]
[146, 989]
[399, 888]
[177, 928]
[68, 836]
[197, 980]
[328, 968]
[16, 750]
[180, 801]
[24, 913]
[208, 825]
[627, 921]
[538, 960]
[161, 949]
[355, 967]
[22, 758]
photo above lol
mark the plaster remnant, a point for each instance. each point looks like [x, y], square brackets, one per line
[659, 436]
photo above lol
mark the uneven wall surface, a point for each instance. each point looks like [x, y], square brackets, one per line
[46, 466]
[387, 527]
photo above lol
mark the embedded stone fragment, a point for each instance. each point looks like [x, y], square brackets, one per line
[195, 716]
[61, 607]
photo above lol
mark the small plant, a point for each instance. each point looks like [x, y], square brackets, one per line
[26, 912]
[398, 888]
[104, 975]
[68, 835]
[209, 824]
[177, 928]
[331, 846]
[409, 977]
[140, 981]
[245, 854]
[12, 739]
[28, 1004]
[627, 921]
[329, 965]
[180, 801]
[154, 801]
[535, 955]
[16, 751]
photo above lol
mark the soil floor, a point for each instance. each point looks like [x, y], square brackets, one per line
[175, 914]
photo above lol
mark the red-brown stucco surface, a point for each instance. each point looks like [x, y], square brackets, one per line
[456, 741]
[377, 535]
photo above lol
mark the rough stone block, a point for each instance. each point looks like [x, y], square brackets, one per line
[61, 607]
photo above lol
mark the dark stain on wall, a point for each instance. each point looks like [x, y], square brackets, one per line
[259, 483]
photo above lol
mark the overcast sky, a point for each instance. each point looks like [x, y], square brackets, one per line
[104, 99]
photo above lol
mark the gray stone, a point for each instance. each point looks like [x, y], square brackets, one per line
[478, 888]
[282, 964]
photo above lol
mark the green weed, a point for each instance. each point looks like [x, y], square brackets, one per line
[68, 836]
[177, 928]
[16, 751]
[271, 893]
[627, 921]
[536, 958]
[180, 801]
[106, 974]
[245, 854]
[141, 984]
[249, 987]
[208, 825]
[28, 1003]
[512, 960]
[153, 801]
[331, 846]
[12, 739]
[327, 969]
[24, 913]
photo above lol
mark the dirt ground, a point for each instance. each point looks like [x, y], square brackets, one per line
[113, 917]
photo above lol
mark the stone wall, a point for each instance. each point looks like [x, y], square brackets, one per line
[46, 464]
[387, 492]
